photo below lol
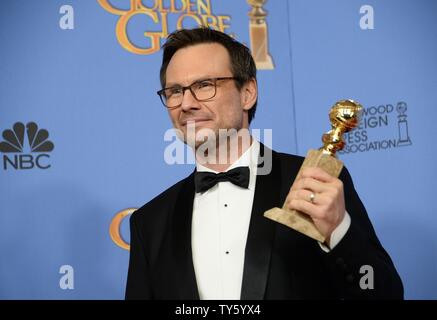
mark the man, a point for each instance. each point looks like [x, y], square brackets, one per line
[206, 236]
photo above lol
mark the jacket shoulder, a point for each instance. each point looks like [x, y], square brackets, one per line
[287, 158]
[160, 205]
[289, 164]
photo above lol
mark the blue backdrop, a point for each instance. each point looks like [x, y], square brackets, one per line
[83, 129]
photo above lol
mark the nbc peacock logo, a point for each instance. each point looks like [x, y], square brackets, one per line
[20, 153]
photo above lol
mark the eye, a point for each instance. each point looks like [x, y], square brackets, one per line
[174, 91]
[205, 84]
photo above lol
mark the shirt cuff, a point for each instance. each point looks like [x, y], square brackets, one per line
[337, 234]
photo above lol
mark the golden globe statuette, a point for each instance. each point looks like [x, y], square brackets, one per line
[344, 116]
[259, 35]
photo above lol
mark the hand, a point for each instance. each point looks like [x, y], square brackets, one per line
[327, 209]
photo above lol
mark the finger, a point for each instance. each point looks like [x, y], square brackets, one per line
[312, 185]
[303, 194]
[304, 207]
[318, 174]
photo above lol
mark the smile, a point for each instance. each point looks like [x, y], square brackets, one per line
[194, 121]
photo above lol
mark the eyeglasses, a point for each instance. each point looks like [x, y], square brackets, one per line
[202, 90]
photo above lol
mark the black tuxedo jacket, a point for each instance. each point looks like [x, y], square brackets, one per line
[279, 263]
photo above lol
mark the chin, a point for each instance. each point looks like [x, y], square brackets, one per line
[200, 136]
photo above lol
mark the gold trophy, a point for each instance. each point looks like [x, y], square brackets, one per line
[259, 35]
[344, 116]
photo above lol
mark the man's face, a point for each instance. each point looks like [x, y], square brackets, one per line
[227, 110]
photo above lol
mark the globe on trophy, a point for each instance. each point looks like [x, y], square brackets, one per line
[344, 116]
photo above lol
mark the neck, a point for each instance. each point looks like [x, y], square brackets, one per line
[225, 152]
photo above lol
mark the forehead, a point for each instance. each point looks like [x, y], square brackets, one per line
[198, 61]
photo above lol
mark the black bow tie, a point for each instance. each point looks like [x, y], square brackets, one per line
[205, 180]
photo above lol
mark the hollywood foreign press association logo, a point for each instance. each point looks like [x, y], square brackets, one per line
[382, 127]
[20, 153]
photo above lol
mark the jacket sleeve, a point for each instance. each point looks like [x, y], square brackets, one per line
[138, 278]
[360, 267]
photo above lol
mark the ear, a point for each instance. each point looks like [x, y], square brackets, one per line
[249, 94]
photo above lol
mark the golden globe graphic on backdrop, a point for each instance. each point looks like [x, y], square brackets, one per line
[259, 35]
[199, 12]
[114, 228]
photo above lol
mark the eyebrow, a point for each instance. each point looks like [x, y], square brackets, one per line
[175, 84]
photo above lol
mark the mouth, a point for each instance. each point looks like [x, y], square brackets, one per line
[193, 121]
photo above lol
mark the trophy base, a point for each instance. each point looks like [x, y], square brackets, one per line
[300, 221]
[295, 220]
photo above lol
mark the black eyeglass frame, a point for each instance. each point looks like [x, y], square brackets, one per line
[161, 95]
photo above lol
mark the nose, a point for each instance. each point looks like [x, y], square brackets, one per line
[189, 101]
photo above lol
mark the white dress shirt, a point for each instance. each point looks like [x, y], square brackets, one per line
[220, 224]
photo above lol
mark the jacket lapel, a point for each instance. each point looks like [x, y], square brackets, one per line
[185, 279]
[261, 232]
